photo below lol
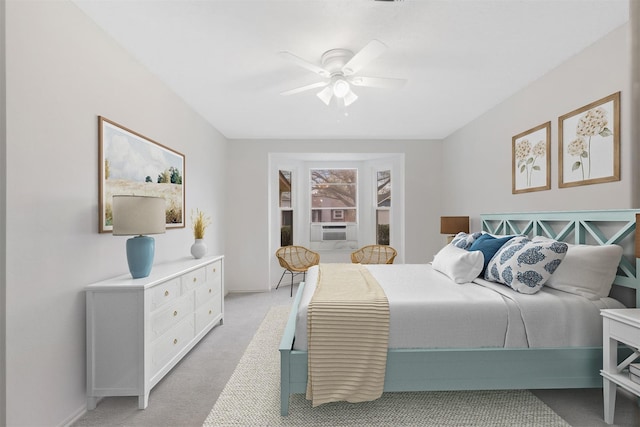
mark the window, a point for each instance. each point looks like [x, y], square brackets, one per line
[383, 207]
[286, 210]
[334, 195]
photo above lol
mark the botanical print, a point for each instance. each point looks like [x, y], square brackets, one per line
[131, 164]
[590, 144]
[531, 159]
[591, 124]
[527, 157]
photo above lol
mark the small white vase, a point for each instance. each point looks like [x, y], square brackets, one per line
[198, 249]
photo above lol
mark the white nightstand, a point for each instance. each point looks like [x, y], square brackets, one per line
[619, 325]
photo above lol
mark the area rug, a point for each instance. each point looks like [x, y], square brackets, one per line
[252, 398]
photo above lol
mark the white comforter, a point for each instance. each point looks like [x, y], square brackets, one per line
[428, 310]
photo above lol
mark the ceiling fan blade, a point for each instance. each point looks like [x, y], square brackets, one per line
[305, 64]
[381, 82]
[371, 51]
[304, 88]
[326, 94]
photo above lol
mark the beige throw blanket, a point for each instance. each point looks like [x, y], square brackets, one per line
[348, 333]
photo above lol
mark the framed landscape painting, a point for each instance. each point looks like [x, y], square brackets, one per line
[589, 143]
[132, 164]
[531, 162]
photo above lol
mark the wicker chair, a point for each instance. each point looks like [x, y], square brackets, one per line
[374, 254]
[296, 260]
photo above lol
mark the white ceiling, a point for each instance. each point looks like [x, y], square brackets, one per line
[460, 57]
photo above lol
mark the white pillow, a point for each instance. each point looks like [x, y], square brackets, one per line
[587, 270]
[460, 265]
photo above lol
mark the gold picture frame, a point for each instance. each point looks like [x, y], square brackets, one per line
[132, 164]
[531, 160]
[589, 143]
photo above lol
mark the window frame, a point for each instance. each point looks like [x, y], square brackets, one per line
[377, 208]
[333, 209]
[283, 209]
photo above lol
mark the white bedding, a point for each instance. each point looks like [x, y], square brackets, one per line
[428, 310]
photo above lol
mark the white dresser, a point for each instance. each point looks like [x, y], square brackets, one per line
[138, 329]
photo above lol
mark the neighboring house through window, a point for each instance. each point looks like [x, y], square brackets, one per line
[334, 195]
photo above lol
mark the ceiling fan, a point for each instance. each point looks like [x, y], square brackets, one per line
[339, 69]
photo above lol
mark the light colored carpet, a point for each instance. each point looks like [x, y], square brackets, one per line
[252, 398]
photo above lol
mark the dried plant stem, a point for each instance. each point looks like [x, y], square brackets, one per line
[200, 223]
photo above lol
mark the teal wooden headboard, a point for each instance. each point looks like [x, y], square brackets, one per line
[580, 227]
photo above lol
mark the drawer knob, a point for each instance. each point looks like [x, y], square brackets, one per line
[214, 269]
[210, 311]
[166, 293]
[175, 313]
[175, 341]
[194, 279]
[209, 290]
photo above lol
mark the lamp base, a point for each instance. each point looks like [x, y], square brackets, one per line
[140, 251]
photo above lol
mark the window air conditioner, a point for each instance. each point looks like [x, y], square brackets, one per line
[334, 232]
[334, 236]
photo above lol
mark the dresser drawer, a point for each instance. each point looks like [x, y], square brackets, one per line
[193, 279]
[170, 344]
[208, 312]
[169, 316]
[206, 292]
[165, 292]
[214, 272]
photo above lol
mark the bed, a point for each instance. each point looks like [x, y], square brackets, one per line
[482, 367]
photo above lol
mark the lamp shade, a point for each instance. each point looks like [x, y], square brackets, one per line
[138, 215]
[341, 88]
[454, 224]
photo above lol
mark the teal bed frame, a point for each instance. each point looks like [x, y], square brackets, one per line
[497, 368]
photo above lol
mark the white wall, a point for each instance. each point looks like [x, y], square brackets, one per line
[478, 156]
[247, 241]
[62, 72]
[3, 217]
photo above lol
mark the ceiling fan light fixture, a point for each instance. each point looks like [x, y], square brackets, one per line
[341, 88]
[325, 95]
[350, 98]
[340, 68]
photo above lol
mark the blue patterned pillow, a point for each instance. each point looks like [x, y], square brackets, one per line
[464, 240]
[525, 265]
